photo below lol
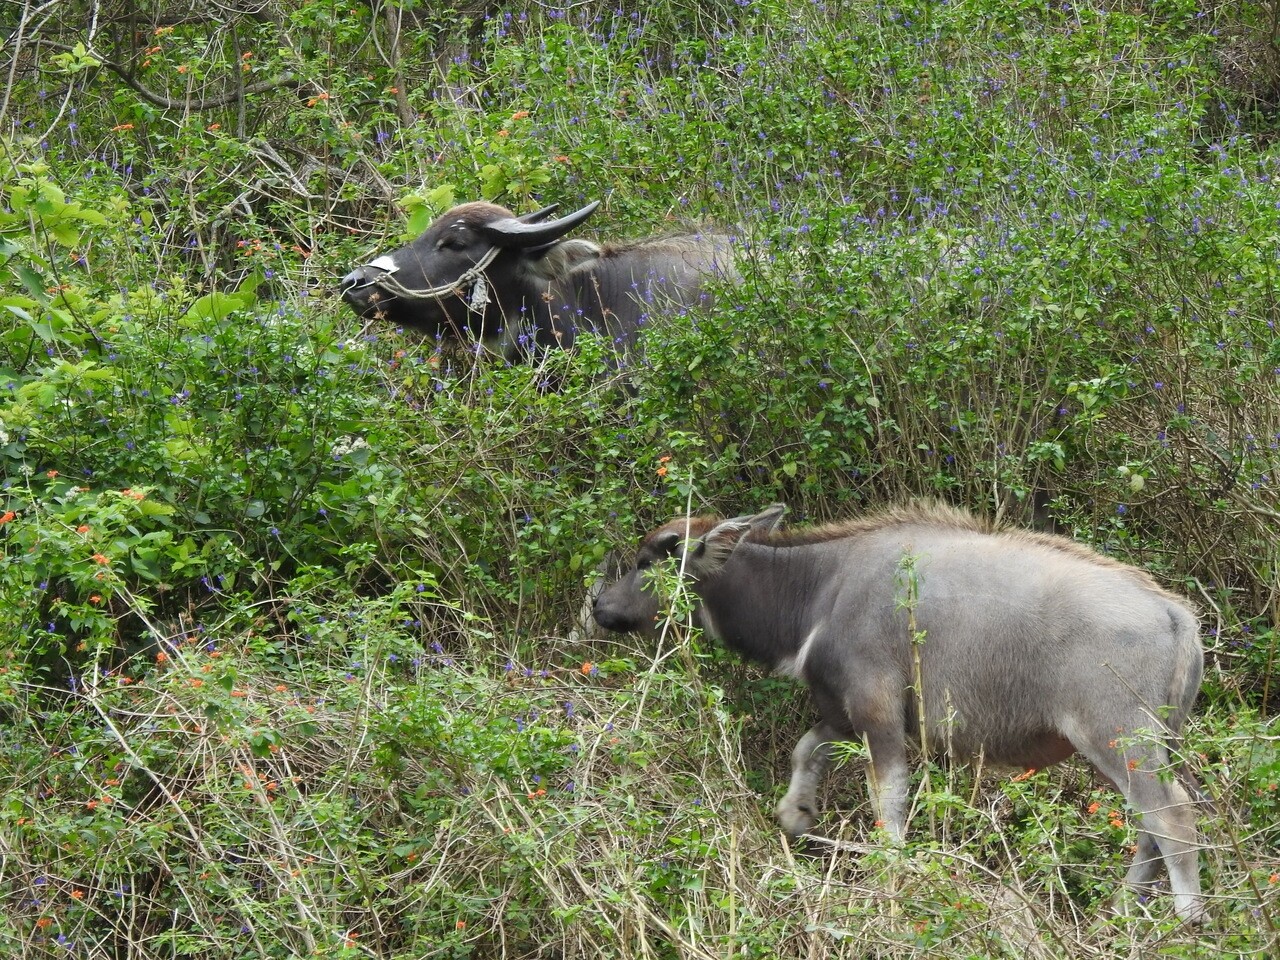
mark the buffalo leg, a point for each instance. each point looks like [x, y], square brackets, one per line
[798, 811]
[890, 779]
[1146, 865]
[1142, 772]
[1168, 820]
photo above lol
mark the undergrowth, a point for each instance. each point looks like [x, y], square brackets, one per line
[292, 660]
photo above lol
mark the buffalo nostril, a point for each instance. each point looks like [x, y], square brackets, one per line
[350, 280]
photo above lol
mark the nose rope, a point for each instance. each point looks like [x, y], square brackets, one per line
[479, 289]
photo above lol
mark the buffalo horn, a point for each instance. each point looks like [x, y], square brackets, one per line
[512, 232]
[537, 214]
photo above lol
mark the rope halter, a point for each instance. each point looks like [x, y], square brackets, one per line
[474, 275]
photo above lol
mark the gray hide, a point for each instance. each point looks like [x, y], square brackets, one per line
[1034, 648]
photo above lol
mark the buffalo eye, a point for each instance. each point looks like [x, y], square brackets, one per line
[451, 241]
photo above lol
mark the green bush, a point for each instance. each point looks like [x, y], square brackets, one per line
[290, 660]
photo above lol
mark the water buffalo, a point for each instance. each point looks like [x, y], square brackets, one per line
[1023, 648]
[482, 274]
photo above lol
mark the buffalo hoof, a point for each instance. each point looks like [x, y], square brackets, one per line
[796, 815]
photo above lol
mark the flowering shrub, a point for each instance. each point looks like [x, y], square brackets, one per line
[287, 599]
[79, 562]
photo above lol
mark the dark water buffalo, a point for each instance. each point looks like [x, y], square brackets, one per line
[480, 273]
[1029, 648]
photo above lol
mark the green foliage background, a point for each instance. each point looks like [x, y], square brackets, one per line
[291, 661]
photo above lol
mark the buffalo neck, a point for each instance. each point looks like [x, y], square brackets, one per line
[760, 604]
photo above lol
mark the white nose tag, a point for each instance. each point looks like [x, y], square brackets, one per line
[385, 263]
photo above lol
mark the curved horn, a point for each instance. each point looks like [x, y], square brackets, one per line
[538, 214]
[512, 232]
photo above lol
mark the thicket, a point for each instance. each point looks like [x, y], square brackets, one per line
[290, 652]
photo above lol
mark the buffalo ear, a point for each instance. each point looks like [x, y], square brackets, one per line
[767, 520]
[716, 545]
[666, 542]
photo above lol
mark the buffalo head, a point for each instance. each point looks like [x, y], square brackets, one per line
[472, 269]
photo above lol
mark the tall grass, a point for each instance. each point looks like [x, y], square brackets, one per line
[290, 653]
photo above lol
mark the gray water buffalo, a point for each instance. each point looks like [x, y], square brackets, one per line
[1023, 648]
[482, 274]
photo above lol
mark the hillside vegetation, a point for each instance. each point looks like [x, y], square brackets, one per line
[291, 660]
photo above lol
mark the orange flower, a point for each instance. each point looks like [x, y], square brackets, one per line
[95, 599]
[51, 474]
[44, 923]
[83, 528]
[1133, 764]
[246, 55]
[460, 925]
[662, 471]
[587, 667]
[562, 159]
[1274, 878]
[183, 69]
[214, 126]
[8, 515]
[101, 558]
[393, 89]
[520, 115]
[504, 133]
[195, 683]
[1030, 771]
[1095, 807]
[161, 657]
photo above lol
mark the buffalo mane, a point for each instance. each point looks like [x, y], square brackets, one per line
[941, 516]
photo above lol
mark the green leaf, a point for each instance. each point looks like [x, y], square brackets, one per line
[32, 281]
[12, 305]
[153, 508]
[65, 233]
[218, 305]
